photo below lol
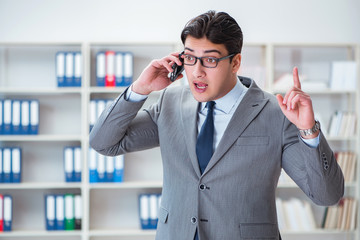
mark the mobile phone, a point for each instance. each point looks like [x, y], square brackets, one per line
[177, 70]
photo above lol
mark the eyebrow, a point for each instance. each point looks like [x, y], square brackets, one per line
[206, 51]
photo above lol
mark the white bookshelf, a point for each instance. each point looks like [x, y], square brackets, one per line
[110, 210]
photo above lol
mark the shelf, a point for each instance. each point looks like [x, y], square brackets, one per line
[122, 233]
[127, 185]
[48, 185]
[107, 89]
[35, 233]
[40, 138]
[41, 91]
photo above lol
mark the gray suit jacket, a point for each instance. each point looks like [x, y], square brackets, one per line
[235, 196]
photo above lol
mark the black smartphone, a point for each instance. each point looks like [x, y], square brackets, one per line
[177, 70]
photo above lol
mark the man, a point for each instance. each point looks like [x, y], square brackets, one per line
[230, 195]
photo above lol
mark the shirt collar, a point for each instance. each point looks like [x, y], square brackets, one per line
[229, 101]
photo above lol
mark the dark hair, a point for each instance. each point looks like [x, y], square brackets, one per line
[218, 28]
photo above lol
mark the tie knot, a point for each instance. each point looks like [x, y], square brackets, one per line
[210, 105]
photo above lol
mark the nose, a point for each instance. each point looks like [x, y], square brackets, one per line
[198, 70]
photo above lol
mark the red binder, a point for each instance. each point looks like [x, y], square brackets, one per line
[110, 69]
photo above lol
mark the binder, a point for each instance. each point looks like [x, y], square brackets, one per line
[110, 69]
[153, 201]
[7, 213]
[1, 116]
[69, 212]
[110, 162]
[16, 165]
[100, 69]
[60, 69]
[7, 116]
[69, 164]
[69, 69]
[128, 71]
[50, 212]
[59, 214]
[7, 165]
[1, 166]
[1, 213]
[34, 117]
[78, 211]
[144, 211]
[119, 68]
[101, 168]
[119, 168]
[77, 164]
[25, 117]
[93, 116]
[92, 166]
[15, 117]
[77, 69]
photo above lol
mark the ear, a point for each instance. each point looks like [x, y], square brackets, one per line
[236, 62]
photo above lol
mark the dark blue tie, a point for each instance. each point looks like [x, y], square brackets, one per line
[204, 144]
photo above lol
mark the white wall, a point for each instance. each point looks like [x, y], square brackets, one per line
[150, 20]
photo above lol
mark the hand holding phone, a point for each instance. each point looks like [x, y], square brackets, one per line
[177, 70]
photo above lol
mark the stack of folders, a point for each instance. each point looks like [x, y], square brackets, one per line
[10, 165]
[341, 216]
[63, 212]
[114, 68]
[72, 164]
[97, 106]
[295, 215]
[19, 117]
[148, 208]
[5, 213]
[68, 69]
[105, 168]
[342, 124]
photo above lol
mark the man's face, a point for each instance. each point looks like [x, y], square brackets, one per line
[209, 84]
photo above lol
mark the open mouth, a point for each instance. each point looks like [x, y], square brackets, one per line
[201, 86]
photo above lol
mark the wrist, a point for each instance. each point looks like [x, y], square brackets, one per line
[137, 88]
[311, 132]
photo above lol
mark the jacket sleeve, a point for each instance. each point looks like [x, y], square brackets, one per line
[122, 128]
[315, 170]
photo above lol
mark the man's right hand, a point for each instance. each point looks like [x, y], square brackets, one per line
[155, 75]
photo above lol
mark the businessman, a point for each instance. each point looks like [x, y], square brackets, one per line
[223, 140]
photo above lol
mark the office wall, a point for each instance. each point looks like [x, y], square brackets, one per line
[151, 20]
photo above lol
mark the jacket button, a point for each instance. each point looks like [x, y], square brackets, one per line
[193, 220]
[202, 187]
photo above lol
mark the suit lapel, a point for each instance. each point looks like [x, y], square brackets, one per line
[250, 106]
[189, 125]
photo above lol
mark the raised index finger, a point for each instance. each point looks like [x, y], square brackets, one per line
[297, 83]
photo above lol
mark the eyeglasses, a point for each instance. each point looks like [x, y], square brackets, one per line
[208, 62]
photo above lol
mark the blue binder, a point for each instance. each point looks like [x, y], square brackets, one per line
[34, 117]
[1, 116]
[16, 117]
[101, 166]
[16, 165]
[128, 69]
[110, 162]
[92, 166]
[7, 165]
[77, 164]
[100, 69]
[77, 69]
[7, 110]
[119, 69]
[119, 168]
[153, 202]
[7, 213]
[60, 68]
[25, 117]
[59, 212]
[69, 69]
[69, 164]
[144, 211]
[50, 212]
[1, 166]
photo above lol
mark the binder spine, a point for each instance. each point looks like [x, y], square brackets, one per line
[7, 165]
[7, 116]
[60, 68]
[110, 69]
[128, 71]
[69, 164]
[77, 164]
[16, 117]
[25, 117]
[1, 166]
[7, 213]
[34, 117]
[60, 212]
[119, 168]
[77, 69]
[1, 213]
[1, 117]
[50, 210]
[92, 166]
[16, 165]
[100, 69]
[69, 69]
[69, 212]
[78, 211]
[119, 68]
